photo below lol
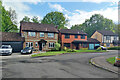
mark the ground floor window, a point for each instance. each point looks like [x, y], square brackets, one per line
[29, 44]
[51, 45]
[107, 44]
[66, 44]
[36, 44]
[85, 45]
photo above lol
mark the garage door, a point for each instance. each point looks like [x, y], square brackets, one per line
[17, 46]
[97, 44]
[91, 46]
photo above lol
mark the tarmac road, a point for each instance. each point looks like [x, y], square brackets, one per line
[74, 65]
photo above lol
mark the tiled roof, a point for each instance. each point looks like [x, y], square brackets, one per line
[29, 26]
[11, 36]
[71, 31]
[89, 40]
[107, 33]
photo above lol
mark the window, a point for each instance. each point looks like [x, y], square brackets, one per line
[107, 45]
[31, 34]
[67, 36]
[29, 44]
[36, 44]
[76, 36]
[43, 44]
[66, 44]
[85, 45]
[51, 45]
[107, 37]
[115, 37]
[82, 36]
[41, 34]
[51, 35]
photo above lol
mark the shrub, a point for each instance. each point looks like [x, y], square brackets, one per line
[57, 47]
[114, 48]
[71, 50]
[74, 50]
[99, 48]
[83, 48]
[65, 49]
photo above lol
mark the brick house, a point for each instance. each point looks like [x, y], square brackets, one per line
[75, 39]
[106, 37]
[39, 36]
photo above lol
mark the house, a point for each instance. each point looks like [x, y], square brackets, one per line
[76, 39]
[39, 36]
[13, 39]
[105, 37]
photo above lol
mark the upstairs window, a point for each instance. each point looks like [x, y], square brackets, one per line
[41, 34]
[51, 35]
[107, 37]
[82, 36]
[31, 34]
[67, 36]
[76, 36]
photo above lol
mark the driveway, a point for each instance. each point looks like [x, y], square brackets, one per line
[61, 66]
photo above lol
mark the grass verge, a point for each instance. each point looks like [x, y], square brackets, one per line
[62, 52]
[111, 60]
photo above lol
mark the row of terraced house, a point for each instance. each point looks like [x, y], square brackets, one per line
[44, 36]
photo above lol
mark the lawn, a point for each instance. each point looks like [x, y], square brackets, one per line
[62, 52]
[111, 60]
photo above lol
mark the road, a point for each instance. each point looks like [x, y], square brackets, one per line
[62, 66]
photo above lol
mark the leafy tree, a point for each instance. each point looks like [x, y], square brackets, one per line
[56, 18]
[57, 47]
[7, 24]
[35, 19]
[25, 19]
[96, 22]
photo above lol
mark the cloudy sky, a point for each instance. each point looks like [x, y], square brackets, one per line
[76, 11]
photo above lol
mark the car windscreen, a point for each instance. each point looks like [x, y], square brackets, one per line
[5, 47]
[27, 48]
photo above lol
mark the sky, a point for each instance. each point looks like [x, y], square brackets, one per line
[76, 11]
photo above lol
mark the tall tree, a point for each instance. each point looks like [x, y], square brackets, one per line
[56, 18]
[25, 19]
[96, 22]
[35, 19]
[7, 24]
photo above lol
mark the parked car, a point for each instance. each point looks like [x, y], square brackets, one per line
[103, 48]
[27, 50]
[5, 50]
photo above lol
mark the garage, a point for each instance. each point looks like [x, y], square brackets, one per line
[13, 39]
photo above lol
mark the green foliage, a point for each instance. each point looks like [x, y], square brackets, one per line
[56, 18]
[96, 22]
[9, 23]
[83, 48]
[25, 19]
[99, 49]
[71, 50]
[65, 49]
[57, 47]
[35, 19]
[114, 48]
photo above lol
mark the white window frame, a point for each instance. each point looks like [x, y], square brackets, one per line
[36, 44]
[51, 35]
[41, 33]
[33, 34]
[51, 43]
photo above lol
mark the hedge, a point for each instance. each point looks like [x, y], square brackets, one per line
[114, 48]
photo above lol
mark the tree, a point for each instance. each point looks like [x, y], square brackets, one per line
[35, 19]
[96, 22]
[57, 47]
[7, 24]
[56, 18]
[25, 19]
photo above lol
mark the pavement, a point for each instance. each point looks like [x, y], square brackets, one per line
[102, 63]
[75, 65]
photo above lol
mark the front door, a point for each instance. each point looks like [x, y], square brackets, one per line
[40, 46]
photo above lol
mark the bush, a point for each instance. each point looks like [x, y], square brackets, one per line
[57, 47]
[114, 48]
[83, 48]
[65, 49]
[99, 49]
[71, 50]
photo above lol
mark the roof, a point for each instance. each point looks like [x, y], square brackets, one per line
[71, 31]
[107, 33]
[29, 26]
[11, 36]
[89, 40]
